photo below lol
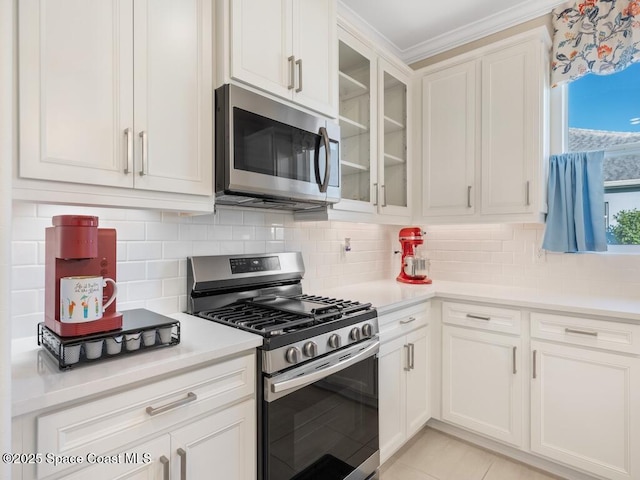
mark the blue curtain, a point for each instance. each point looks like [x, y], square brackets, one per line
[575, 222]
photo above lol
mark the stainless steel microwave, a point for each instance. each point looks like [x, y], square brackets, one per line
[272, 155]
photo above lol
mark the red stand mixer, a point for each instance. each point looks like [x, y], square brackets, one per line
[414, 267]
[76, 247]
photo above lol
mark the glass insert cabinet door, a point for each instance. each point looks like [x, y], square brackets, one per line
[357, 115]
[393, 141]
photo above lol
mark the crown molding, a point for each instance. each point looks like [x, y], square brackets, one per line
[520, 13]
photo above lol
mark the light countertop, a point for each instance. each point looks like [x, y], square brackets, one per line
[37, 382]
[390, 295]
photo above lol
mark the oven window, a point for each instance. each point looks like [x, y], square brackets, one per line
[324, 430]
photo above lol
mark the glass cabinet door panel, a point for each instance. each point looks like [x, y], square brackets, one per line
[394, 142]
[355, 123]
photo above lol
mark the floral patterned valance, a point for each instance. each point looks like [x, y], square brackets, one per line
[594, 36]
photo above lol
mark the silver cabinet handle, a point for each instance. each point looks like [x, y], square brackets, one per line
[412, 356]
[127, 133]
[409, 320]
[535, 353]
[407, 358]
[528, 194]
[384, 195]
[292, 73]
[469, 196]
[144, 169]
[478, 317]
[375, 186]
[183, 463]
[515, 370]
[581, 332]
[327, 172]
[165, 467]
[299, 64]
[191, 397]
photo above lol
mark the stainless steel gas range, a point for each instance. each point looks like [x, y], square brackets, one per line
[318, 382]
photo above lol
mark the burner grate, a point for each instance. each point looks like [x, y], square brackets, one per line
[270, 320]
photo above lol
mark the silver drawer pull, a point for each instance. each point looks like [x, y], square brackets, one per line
[191, 397]
[165, 467]
[478, 317]
[183, 463]
[581, 332]
[409, 320]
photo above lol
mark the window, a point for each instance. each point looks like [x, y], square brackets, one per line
[604, 114]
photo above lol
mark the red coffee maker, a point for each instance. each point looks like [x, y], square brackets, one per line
[414, 267]
[75, 246]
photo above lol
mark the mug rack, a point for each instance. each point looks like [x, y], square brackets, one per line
[142, 331]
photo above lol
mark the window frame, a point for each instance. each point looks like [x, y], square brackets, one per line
[559, 142]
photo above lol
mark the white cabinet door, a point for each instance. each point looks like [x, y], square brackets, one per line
[482, 382]
[261, 43]
[449, 106]
[287, 48]
[418, 380]
[223, 444]
[393, 140]
[173, 98]
[510, 129]
[404, 377]
[358, 124]
[314, 47]
[117, 93]
[75, 90]
[147, 461]
[393, 361]
[585, 409]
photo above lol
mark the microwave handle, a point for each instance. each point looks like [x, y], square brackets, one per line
[327, 172]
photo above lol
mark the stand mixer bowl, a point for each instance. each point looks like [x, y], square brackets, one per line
[416, 267]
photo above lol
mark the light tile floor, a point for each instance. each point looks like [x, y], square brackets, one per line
[432, 455]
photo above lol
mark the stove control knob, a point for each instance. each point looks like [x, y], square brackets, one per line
[367, 330]
[335, 341]
[310, 349]
[292, 355]
[355, 334]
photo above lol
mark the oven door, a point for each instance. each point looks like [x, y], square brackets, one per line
[320, 420]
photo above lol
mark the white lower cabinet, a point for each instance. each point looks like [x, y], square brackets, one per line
[585, 409]
[404, 377]
[224, 443]
[482, 382]
[185, 426]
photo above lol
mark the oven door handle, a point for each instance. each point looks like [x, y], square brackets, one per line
[296, 382]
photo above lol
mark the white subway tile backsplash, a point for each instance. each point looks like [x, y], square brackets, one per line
[162, 269]
[153, 246]
[24, 253]
[144, 251]
[26, 277]
[162, 231]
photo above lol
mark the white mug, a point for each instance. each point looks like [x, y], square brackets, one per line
[81, 298]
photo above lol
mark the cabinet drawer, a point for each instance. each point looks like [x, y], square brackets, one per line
[484, 317]
[402, 321]
[106, 424]
[618, 337]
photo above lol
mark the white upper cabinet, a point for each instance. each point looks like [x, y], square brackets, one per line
[484, 142]
[374, 114]
[116, 93]
[173, 107]
[512, 101]
[285, 47]
[76, 90]
[449, 107]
